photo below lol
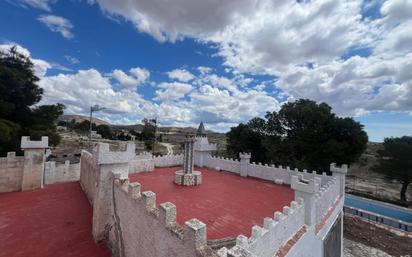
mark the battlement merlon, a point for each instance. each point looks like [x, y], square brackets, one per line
[340, 173]
[245, 155]
[26, 143]
[305, 186]
[196, 232]
[343, 169]
[306, 190]
[105, 156]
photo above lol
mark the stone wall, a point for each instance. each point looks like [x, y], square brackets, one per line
[11, 172]
[147, 162]
[88, 175]
[141, 165]
[276, 230]
[221, 163]
[141, 229]
[278, 174]
[169, 160]
[26, 172]
[61, 172]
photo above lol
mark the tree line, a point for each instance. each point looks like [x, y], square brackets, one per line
[308, 135]
[20, 114]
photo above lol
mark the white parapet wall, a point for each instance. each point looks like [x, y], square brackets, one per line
[221, 163]
[141, 229]
[146, 162]
[61, 172]
[278, 174]
[269, 239]
[88, 174]
[169, 160]
[22, 173]
[11, 172]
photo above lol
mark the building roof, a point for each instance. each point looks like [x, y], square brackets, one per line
[201, 131]
[227, 203]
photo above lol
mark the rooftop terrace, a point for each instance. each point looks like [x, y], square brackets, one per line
[228, 203]
[53, 221]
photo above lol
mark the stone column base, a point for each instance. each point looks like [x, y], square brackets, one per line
[192, 179]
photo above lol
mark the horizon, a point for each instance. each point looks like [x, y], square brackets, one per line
[194, 61]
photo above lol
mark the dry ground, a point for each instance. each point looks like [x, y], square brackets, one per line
[363, 239]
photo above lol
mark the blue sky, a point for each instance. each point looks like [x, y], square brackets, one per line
[222, 63]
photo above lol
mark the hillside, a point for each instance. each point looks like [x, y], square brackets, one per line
[137, 127]
[80, 118]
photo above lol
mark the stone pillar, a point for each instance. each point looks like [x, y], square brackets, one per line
[188, 156]
[340, 173]
[306, 189]
[108, 162]
[187, 176]
[34, 157]
[244, 163]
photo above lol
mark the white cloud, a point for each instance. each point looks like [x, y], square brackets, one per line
[57, 24]
[172, 91]
[71, 59]
[141, 74]
[137, 77]
[88, 87]
[40, 66]
[180, 18]
[177, 104]
[181, 75]
[40, 4]
[281, 39]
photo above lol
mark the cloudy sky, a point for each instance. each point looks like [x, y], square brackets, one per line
[220, 61]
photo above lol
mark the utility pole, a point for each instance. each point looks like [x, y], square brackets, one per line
[94, 108]
[155, 129]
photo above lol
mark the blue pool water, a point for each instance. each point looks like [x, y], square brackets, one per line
[384, 209]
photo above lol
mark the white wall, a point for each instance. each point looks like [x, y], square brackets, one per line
[61, 172]
[140, 229]
[88, 175]
[11, 172]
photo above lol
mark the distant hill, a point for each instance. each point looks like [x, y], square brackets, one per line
[137, 127]
[80, 118]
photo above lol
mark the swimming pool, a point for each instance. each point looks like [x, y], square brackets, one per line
[385, 209]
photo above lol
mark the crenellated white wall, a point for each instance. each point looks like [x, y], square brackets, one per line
[278, 174]
[276, 230]
[146, 162]
[169, 160]
[325, 198]
[221, 163]
[88, 174]
[11, 172]
[61, 172]
[141, 229]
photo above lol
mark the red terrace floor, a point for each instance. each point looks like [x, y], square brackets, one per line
[54, 221]
[228, 203]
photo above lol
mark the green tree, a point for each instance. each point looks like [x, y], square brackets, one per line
[302, 134]
[395, 161]
[243, 138]
[19, 93]
[148, 133]
[104, 131]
